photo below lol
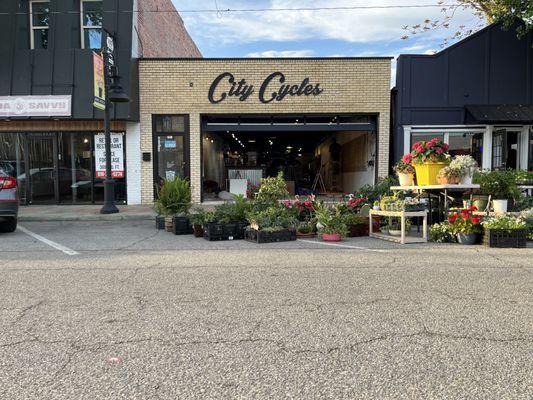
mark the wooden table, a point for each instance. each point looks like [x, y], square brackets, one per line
[441, 190]
[403, 239]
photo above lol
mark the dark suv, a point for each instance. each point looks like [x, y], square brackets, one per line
[9, 203]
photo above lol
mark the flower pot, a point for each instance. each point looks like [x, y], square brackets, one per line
[305, 235]
[169, 223]
[375, 208]
[499, 206]
[466, 238]
[331, 237]
[453, 180]
[406, 179]
[159, 222]
[466, 179]
[426, 174]
[395, 232]
[480, 201]
[198, 231]
[357, 230]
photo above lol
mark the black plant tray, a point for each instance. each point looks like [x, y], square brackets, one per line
[181, 226]
[230, 231]
[253, 235]
[160, 222]
[516, 238]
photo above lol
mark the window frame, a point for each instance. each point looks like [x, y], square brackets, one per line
[84, 27]
[39, 27]
[409, 131]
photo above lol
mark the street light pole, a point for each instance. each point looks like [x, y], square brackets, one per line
[109, 206]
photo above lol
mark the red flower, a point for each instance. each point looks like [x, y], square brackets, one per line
[429, 145]
[452, 218]
[439, 150]
[476, 220]
[416, 145]
[407, 158]
[465, 214]
[473, 208]
[445, 146]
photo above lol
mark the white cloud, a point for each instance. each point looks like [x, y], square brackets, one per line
[283, 53]
[354, 26]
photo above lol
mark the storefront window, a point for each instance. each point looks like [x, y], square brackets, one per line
[12, 158]
[425, 137]
[461, 143]
[467, 144]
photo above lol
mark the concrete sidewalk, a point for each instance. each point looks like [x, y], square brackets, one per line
[84, 213]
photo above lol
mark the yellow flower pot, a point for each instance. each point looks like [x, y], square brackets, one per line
[426, 174]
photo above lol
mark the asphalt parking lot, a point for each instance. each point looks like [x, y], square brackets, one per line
[118, 310]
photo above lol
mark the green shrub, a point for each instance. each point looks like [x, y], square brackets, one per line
[277, 216]
[272, 189]
[498, 184]
[375, 192]
[235, 210]
[173, 197]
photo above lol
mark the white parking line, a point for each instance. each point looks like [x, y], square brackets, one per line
[347, 246]
[55, 245]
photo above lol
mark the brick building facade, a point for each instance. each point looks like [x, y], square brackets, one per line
[353, 96]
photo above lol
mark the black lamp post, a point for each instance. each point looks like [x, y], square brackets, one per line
[114, 93]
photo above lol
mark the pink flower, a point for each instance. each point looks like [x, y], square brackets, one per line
[434, 140]
[439, 150]
[407, 158]
[445, 146]
[429, 145]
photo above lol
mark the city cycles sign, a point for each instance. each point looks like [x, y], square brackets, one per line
[272, 89]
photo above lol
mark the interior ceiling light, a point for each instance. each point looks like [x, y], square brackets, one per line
[289, 147]
[251, 140]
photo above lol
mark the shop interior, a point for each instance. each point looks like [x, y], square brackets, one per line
[328, 156]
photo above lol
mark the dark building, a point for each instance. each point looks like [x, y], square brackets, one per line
[476, 95]
[49, 129]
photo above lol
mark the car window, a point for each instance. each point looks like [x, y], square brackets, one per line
[6, 169]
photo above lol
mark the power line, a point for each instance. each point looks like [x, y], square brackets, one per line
[240, 10]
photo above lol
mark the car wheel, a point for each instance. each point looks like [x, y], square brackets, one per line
[8, 226]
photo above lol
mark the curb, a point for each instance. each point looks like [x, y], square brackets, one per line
[88, 218]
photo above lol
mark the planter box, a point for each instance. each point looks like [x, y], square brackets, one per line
[358, 230]
[198, 231]
[159, 222]
[230, 231]
[286, 235]
[181, 226]
[516, 238]
[426, 174]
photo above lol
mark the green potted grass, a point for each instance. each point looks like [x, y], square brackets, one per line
[173, 202]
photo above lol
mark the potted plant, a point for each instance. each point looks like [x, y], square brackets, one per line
[306, 229]
[465, 226]
[173, 199]
[405, 170]
[467, 165]
[276, 223]
[376, 206]
[428, 159]
[500, 185]
[228, 220]
[441, 233]
[332, 223]
[449, 175]
[394, 226]
[505, 231]
[198, 218]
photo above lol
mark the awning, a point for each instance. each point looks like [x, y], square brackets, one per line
[501, 114]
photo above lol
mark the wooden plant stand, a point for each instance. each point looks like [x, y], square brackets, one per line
[403, 239]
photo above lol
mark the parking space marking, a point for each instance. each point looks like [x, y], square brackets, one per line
[50, 243]
[347, 246]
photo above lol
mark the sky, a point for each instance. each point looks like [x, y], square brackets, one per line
[321, 33]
